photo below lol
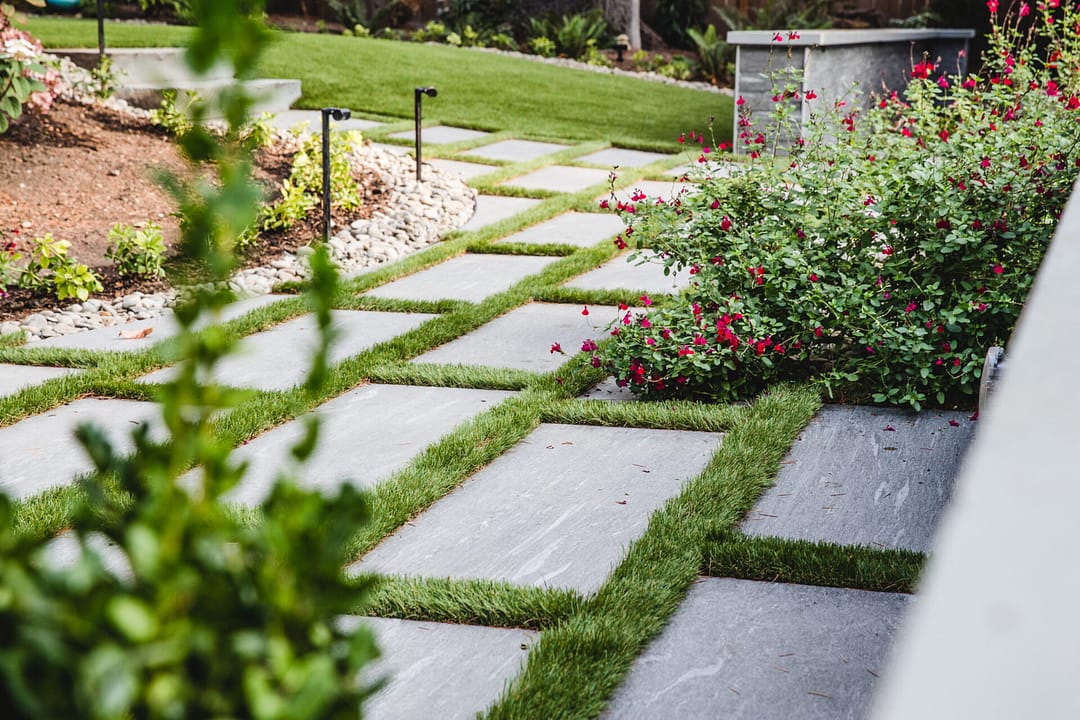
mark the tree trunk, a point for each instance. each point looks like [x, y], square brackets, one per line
[624, 16]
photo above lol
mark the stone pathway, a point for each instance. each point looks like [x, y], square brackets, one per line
[560, 509]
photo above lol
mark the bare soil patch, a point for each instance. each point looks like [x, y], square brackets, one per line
[81, 169]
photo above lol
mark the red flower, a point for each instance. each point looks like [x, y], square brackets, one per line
[922, 70]
[645, 323]
[1024, 9]
[740, 101]
[819, 331]
[604, 204]
[792, 35]
[811, 95]
[556, 348]
[778, 38]
[813, 277]
[953, 423]
[585, 310]
[998, 269]
[985, 162]
[889, 428]
[715, 204]
[944, 135]
[645, 300]
[910, 307]
[992, 5]
[620, 243]
[588, 346]
[725, 224]
[685, 350]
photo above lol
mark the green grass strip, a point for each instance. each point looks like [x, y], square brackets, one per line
[472, 602]
[732, 554]
[580, 662]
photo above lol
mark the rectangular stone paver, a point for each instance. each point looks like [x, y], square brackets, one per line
[366, 435]
[866, 476]
[768, 651]
[289, 119]
[557, 510]
[523, 338]
[471, 277]
[622, 273]
[610, 391]
[41, 451]
[490, 209]
[14, 378]
[516, 150]
[466, 170]
[559, 178]
[277, 359]
[441, 135]
[620, 157]
[162, 327]
[440, 670]
[572, 228]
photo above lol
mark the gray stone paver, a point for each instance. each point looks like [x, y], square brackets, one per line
[162, 327]
[523, 337]
[769, 651]
[288, 119]
[366, 435]
[490, 209]
[610, 391]
[516, 150]
[440, 670]
[572, 228]
[16, 377]
[559, 178]
[621, 157]
[441, 135]
[41, 451]
[849, 479]
[557, 510]
[277, 359]
[622, 273]
[466, 170]
[470, 277]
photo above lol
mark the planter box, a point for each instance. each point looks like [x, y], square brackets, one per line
[835, 61]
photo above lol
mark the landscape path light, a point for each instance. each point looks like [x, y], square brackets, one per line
[418, 94]
[622, 44]
[338, 114]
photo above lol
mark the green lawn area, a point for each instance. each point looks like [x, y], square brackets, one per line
[476, 89]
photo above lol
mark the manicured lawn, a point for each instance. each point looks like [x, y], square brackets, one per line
[476, 89]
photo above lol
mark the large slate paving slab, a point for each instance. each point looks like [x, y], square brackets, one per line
[849, 479]
[441, 135]
[471, 277]
[621, 157]
[366, 435]
[490, 209]
[16, 377]
[440, 670]
[465, 170]
[161, 327]
[768, 651]
[572, 228]
[559, 178]
[516, 150]
[289, 119]
[41, 451]
[523, 338]
[643, 273]
[278, 358]
[557, 510]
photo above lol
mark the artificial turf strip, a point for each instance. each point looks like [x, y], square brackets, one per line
[486, 91]
[732, 554]
[580, 662]
[471, 602]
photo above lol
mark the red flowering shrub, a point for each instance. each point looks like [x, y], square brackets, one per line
[888, 254]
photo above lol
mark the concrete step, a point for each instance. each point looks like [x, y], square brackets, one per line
[271, 94]
[145, 66]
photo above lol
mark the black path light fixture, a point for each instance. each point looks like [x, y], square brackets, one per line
[337, 114]
[100, 30]
[622, 44]
[418, 94]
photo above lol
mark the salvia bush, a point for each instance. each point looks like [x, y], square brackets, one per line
[888, 250]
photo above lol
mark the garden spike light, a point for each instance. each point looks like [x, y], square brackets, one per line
[418, 94]
[337, 114]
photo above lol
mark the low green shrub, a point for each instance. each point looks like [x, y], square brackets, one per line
[50, 269]
[571, 33]
[713, 53]
[886, 253]
[137, 250]
[27, 81]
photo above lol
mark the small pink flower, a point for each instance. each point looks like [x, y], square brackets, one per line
[953, 423]
[889, 428]
[985, 162]
[585, 310]
[741, 100]
[645, 300]
[992, 5]
[556, 348]
[1025, 9]
[645, 323]
[725, 224]
[715, 204]
[811, 95]
[819, 331]
[813, 277]
[778, 38]
[998, 269]
[588, 346]
[604, 204]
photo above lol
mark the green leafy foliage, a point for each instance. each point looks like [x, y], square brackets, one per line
[26, 82]
[672, 18]
[50, 269]
[571, 33]
[137, 250]
[713, 53]
[215, 617]
[886, 254]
